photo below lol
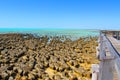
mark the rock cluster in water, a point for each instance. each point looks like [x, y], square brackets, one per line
[25, 57]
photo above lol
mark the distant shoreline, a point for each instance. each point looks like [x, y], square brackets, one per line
[52, 32]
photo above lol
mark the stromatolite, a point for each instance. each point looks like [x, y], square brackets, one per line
[24, 56]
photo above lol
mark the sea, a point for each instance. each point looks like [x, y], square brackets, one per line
[69, 33]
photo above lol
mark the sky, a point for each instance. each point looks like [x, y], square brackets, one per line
[70, 14]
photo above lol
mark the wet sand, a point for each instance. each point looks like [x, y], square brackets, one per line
[25, 57]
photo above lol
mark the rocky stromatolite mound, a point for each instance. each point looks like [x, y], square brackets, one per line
[25, 57]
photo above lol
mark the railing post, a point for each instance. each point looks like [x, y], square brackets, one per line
[95, 71]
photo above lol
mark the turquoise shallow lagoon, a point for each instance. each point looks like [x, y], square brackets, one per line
[70, 33]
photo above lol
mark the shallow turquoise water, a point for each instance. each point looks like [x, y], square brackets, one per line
[52, 32]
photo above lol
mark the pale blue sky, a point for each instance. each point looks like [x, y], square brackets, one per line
[82, 14]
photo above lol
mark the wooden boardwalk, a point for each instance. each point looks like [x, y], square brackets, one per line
[110, 58]
[106, 60]
[116, 44]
